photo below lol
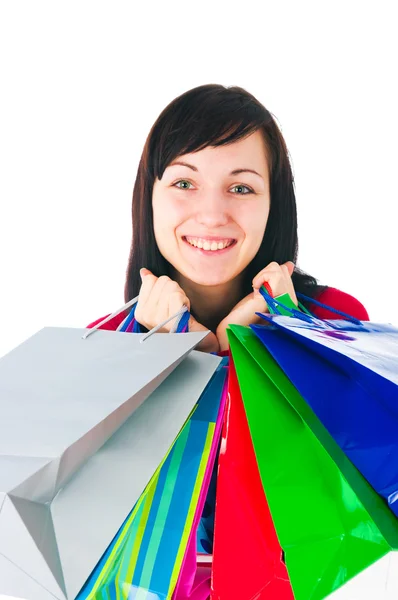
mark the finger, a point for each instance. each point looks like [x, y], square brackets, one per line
[244, 312]
[149, 296]
[273, 268]
[276, 281]
[148, 282]
[161, 295]
[160, 290]
[287, 272]
[287, 276]
[144, 272]
[176, 301]
[157, 304]
[272, 276]
[287, 286]
[143, 304]
[290, 267]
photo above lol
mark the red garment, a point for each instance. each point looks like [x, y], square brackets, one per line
[331, 296]
[340, 301]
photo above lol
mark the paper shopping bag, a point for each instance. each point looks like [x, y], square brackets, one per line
[248, 559]
[329, 527]
[194, 580]
[348, 374]
[66, 446]
[146, 558]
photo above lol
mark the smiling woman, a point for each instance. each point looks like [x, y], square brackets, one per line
[214, 217]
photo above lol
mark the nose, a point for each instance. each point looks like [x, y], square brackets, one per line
[212, 210]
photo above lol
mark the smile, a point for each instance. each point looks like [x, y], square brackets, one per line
[209, 245]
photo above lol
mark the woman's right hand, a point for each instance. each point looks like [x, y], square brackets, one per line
[159, 299]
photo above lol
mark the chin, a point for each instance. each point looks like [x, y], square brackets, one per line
[210, 280]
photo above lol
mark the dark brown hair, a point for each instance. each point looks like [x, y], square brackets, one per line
[213, 115]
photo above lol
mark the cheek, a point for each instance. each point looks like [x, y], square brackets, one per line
[253, 222]
[167, 216]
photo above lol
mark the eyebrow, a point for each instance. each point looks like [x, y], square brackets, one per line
[234, 172]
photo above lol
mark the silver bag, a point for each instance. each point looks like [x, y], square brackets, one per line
[82, 431]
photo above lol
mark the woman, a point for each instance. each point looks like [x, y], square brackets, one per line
[196, 239]
[214, 217]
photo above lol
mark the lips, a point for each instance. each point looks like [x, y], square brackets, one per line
[209, 245]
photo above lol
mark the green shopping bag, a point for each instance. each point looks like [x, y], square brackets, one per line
[329, 521]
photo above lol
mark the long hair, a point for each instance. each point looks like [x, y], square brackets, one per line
[213, 115]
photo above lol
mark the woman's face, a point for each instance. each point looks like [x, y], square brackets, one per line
[209, 221]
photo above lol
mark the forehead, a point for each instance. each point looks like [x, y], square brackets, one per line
[249, 152]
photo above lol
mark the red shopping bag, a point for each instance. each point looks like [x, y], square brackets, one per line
[247, 558]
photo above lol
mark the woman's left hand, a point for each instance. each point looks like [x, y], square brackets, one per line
[279, 278]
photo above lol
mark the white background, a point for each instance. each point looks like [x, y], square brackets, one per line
[81, 85]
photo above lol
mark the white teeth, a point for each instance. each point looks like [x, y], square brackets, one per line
[207, 245]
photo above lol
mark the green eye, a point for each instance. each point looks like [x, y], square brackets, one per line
[244, 186]
[182, 181]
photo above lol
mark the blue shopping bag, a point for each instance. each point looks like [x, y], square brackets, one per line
[347, 371]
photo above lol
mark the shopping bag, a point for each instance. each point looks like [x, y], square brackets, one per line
[194, 580]
[247, 556]
[347, 372]
[329, 527]
[147, 557]
[66, 443]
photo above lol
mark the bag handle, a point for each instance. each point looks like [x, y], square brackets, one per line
[130, 323]
[182, 324]
[136, 326]
[274, 303]
[330, 308]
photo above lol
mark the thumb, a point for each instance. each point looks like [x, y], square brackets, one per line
[144, 272]
[290, 267]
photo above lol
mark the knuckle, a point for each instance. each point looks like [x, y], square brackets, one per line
[164, 279]
[179, 296]
[173, 286]
[175, 294]
[260, 275]
[268, 271]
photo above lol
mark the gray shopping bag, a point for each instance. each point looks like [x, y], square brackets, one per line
[78, 445]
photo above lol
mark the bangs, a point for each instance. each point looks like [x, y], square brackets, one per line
[204, 117]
